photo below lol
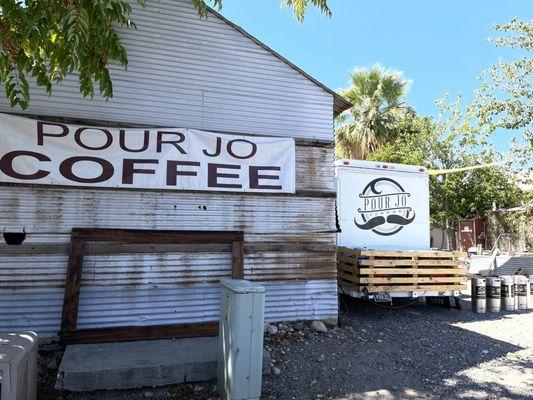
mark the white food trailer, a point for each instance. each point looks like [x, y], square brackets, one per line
[384, 234]
[382, 206]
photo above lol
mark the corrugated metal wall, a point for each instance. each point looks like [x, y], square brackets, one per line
[193, 73]
[40, 309]
[190, 73]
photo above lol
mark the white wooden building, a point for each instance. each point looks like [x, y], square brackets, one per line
[191, 73]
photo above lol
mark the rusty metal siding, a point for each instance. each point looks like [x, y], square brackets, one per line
[315, 168]
[145, 269]
[188, 72]
[40, 309]
[164, 287]
[57, 210]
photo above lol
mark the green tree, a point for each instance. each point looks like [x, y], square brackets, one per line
[49, 39]
[378, 98]
[447, 144]
[503, 102]
[462, 136]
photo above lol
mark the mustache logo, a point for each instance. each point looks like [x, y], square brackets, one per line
[391, 219]
[398, 219]
[371, 223]
[384, 207]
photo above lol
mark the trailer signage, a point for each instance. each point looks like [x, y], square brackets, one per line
[382, 208]
[41, 152]
[385, 207]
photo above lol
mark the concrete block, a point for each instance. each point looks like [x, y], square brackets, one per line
[129, 365]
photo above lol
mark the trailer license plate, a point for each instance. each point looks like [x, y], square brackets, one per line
[382, 297]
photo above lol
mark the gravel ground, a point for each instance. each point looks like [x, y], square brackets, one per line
[415, 352]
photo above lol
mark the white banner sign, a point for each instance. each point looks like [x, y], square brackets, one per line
[40, 152]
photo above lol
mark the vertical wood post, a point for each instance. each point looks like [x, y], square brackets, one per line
[72, 285]
[371, 276]
[415, 270]
[237, 250]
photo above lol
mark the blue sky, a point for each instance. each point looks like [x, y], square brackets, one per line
[440, 45]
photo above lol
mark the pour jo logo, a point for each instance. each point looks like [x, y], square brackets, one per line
[384, 207]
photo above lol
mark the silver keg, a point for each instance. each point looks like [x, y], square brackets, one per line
[494, 294]
[530, 294]
[507, 292]
[521, 292]
[479, 294]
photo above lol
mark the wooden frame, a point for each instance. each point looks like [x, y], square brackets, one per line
[79, 236]
[374, 271]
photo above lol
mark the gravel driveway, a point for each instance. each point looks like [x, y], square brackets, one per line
[415, 352]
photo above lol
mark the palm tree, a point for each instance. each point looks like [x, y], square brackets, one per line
[378, 98]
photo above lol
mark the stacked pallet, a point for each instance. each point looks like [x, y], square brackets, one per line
[372, 271]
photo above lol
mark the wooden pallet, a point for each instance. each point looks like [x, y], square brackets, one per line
[374, 271]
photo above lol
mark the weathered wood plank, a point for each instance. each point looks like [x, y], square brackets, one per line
[349, 278]
[140, 236]
[407, 262]
[409, 271]
[347, 259]
[411, 288]
[72, 285]
[413, 279]
[114, 248]
[420, 254]
[347, 250]
[133, 333]
[237, 256]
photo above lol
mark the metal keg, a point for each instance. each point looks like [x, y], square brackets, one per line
[479, 294]
[494, 294]
[530, 297]
[507, 292]
[515, 280]
[521, 292]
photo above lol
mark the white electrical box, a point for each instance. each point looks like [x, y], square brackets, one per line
[241, 339]
[382, 206]
[18, 366]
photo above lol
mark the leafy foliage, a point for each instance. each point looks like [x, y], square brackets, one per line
[300, 7]
[49, 39]
[378, 108]
[505, 97]
[447, 144]
[503, 102]
[462, 136]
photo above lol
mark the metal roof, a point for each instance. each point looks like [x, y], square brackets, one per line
[340, 104]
